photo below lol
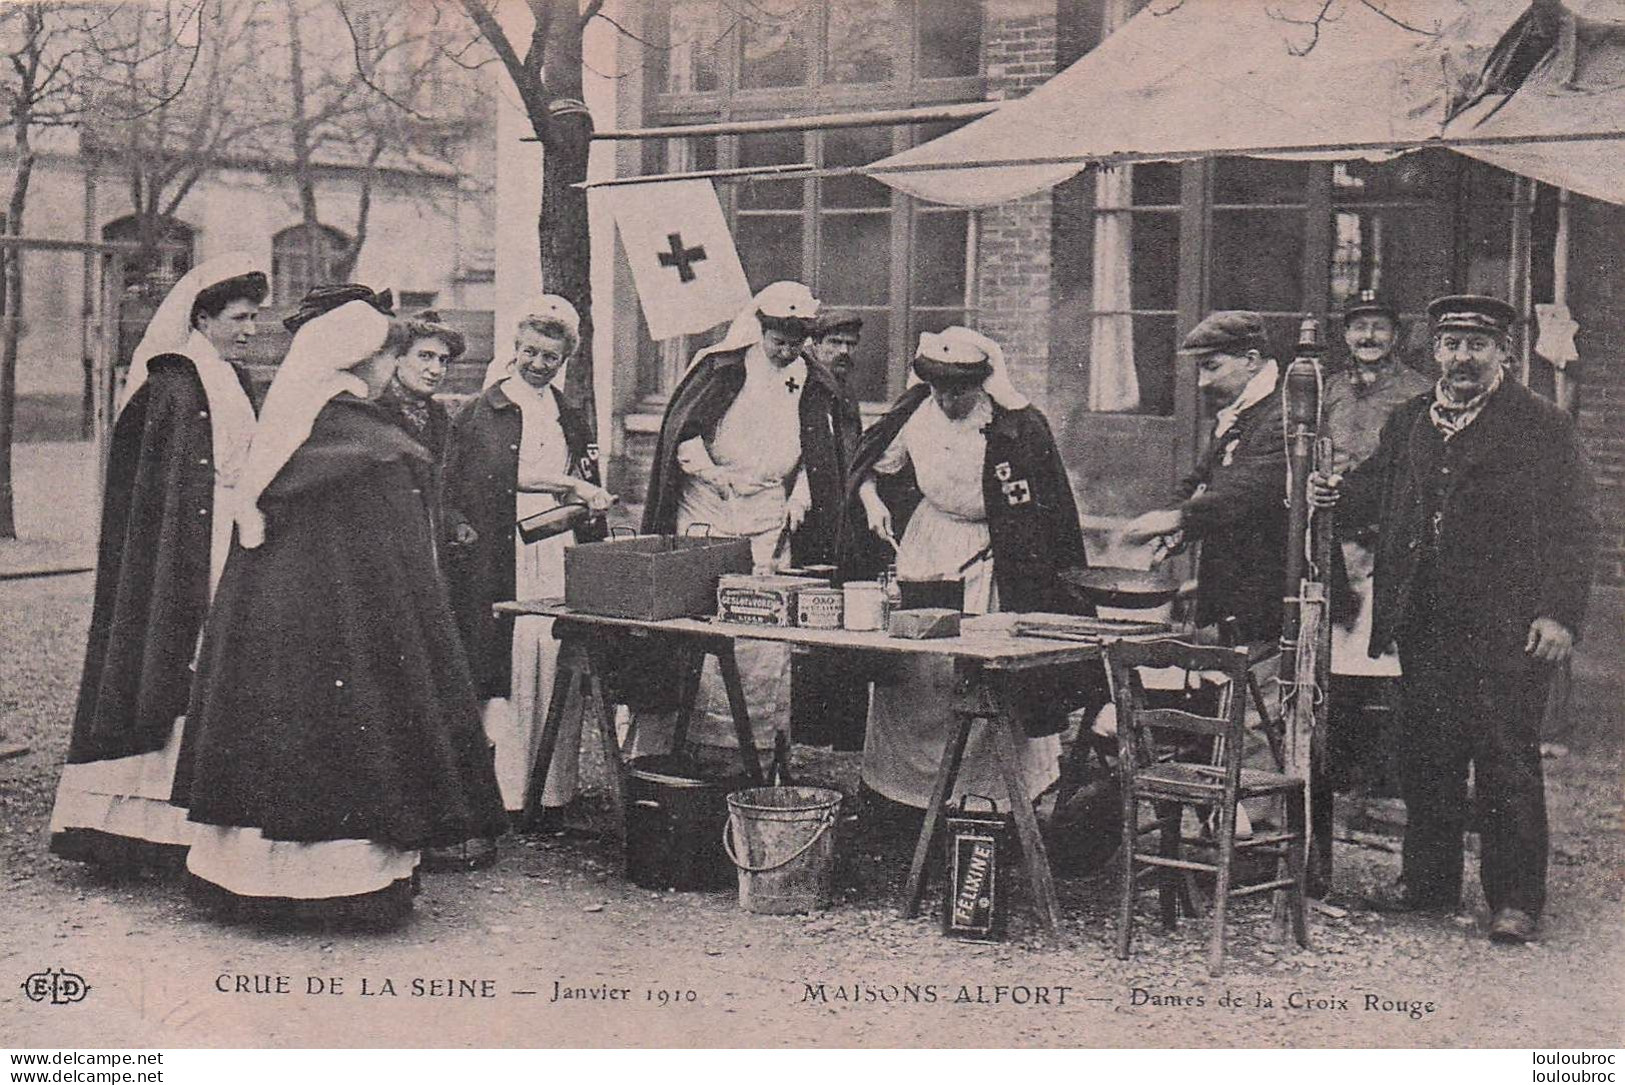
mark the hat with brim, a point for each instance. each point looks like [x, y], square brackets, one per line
[1472, 312]
[786, 306]
[829, 321]
[1233, 331]
[949, 361]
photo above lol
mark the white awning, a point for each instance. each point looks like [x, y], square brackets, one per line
[1195, 78]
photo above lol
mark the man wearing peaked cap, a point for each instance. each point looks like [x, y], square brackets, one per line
[750, 446]
[1232, 503]
[1486, 537]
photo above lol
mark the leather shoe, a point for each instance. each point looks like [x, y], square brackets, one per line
[1394, 898]
[1512, 927]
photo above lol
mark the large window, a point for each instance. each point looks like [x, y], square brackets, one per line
[1171, 242]
[302, 257]
[854, 241]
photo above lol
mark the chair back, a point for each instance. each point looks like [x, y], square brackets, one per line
[1139, 725]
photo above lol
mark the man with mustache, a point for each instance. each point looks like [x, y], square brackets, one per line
[1482, 497]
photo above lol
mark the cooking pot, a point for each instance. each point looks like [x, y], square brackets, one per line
[1134, 589]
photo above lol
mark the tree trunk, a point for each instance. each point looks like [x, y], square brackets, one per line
[11, 265]
[566, 135]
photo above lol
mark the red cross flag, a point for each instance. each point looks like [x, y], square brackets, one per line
[682, 256]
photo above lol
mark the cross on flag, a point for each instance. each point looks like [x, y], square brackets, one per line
[682, 256]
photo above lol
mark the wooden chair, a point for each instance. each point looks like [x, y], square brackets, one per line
[1150, 775]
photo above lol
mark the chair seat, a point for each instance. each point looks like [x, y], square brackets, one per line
[1183, 779]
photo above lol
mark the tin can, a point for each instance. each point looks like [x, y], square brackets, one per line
[820, 608]
[865, 605]
[973, 904]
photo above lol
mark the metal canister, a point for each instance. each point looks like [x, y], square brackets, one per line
[973, 902]
[864, 605]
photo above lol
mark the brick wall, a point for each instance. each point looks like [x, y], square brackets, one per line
[1013, 270]
[1597, 299]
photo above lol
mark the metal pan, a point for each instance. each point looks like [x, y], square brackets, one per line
[1107, 585]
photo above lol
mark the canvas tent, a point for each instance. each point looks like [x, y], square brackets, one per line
[1534, 88]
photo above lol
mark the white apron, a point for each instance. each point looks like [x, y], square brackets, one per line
[911, 711]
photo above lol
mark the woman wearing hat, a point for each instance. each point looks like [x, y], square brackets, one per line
[519, 449]
[991, 504]
[335, 731]
[179, 440]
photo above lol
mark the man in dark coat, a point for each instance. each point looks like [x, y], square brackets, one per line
[829, 706]
[1483, 569]
[978, 494]
[333, 731]
[179, 439]
[1234, 503]
[516, 448]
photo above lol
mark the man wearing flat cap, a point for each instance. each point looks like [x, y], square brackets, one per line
[1482, 497]
[749, 446]
[1233, 502]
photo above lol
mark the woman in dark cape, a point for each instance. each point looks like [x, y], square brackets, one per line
[335, 729]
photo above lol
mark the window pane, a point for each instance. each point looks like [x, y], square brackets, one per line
[1257, 261]
[694, 31]
[771, 149]
[863, 38]
[1156, 182]
[1155, 266]
[870, 361]
[1483, 182]
[1154, 346]
[1403, 253]
[854, 259]
[950, 38]
[773, 44]
[855, 147]
[1486, 250]
[1253, 180]
[938, 260]
[770, 248]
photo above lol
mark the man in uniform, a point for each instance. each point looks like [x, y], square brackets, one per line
[1482, 497]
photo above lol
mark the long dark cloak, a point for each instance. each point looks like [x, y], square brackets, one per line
[152, 567]
[333, 699]
[481, 483]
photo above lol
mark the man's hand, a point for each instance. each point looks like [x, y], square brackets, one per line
[1152, 525]
[465, 535]
[1549, 641]
[1323, 490]
[595, 498]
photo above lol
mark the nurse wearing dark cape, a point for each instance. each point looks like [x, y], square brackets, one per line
[180, 439]
[335, 731]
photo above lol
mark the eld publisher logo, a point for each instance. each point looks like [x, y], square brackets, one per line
[57, 986]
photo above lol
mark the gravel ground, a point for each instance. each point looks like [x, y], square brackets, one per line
[697, 971]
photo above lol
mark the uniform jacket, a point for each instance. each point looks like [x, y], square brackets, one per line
[152, 567]
[1235, 506]
[1503, 510]
[698, 404]
[481, 481]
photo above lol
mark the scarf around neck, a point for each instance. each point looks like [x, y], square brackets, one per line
[1450, 417]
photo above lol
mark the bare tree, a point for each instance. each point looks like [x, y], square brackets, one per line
[173, 98]
[43, 43]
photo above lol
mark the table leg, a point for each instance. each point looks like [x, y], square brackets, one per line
[735, 686]
[687, 695]
[947, 772]
[597, 667]
[1007, 732]
[564, 680]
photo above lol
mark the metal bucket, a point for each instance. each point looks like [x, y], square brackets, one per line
[782, 842]
[674, 818]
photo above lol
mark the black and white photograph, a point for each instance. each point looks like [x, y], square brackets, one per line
[841, 524]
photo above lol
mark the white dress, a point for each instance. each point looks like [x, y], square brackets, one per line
[760, 433]
[513, 724]
[911, 712]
